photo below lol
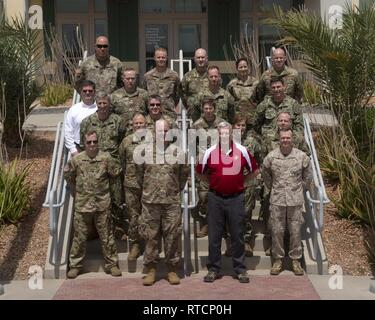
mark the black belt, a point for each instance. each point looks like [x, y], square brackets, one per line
[226, 196]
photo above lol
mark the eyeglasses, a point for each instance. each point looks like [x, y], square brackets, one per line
[101, 46]
[91, 141]
[88, 91]
[154, 104]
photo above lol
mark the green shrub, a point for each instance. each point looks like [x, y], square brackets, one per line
[55, 94]
[342, 61]
[312, 93]
[21, 58]
[14, 192]
[339, 160]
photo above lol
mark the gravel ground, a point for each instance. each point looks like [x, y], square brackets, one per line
[344, 241]
[25, 243]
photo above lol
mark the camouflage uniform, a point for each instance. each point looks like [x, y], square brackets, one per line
[266, 118]
[89, 179]
[265, 125]
[126, 104]
[106, 78]
[191, 85]
[203, 185]
[272, 142]
[253, 145]
[286, 176]
[244, 91]
[161, 209]
[150, 123]
[110, 134]
[294, 87]
[167, 86]
[132, 185]
[224, 101]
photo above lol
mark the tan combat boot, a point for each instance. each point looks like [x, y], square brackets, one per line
[73, 273]
[115, 272]
[277, 267]
[297, 269]
[135, 252]
[150, 278]
[248, 250]
[203, 231]
[172, 276]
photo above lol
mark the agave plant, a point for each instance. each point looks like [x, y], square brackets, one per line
[14, 192]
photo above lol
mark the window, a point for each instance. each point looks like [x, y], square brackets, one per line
[173, 6]
[72, 6]
[268, 5]
[198, 6]
[92, 15]
[159, 6]
[172, 24]
[79, 23]
[253, 24]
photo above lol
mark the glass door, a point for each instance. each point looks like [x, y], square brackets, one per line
[154, 35]
[188, 36]
[185, 35]
[73, 34]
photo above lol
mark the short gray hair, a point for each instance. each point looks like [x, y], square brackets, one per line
[102, 95]
[224, 124]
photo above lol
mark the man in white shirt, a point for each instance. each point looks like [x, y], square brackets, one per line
[76, 114]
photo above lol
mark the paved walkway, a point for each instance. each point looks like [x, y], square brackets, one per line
[46, 119]
[92, 286]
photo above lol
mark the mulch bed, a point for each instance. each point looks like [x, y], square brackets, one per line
[24, 244]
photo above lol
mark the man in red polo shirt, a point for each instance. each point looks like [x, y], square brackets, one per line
[223, 165]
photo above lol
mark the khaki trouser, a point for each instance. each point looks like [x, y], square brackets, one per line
[103, 223]
[119, 217]
[134, 209]
[292, 218]
[161, 221]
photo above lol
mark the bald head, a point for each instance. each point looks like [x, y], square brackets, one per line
[201, 59]
[102, 48]
[278, 59]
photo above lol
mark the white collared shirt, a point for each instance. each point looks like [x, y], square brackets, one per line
[73, 120]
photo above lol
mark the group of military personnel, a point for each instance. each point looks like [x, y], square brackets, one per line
[141, 203]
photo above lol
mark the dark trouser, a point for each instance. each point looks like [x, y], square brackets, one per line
[230, 211]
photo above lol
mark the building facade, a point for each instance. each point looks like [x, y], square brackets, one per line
[136, 27]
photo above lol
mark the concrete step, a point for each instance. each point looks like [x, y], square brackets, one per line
[95, 262]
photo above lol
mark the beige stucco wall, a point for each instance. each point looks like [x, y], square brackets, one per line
[14, 8]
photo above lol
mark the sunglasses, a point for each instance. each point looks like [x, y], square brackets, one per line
[154, 104]
[88, 91]
[101, 46]
[91, 141]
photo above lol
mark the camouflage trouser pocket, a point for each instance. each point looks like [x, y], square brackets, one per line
[142, 227]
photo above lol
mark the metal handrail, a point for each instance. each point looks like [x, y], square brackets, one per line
[185, 205]
[56, 187]
[318, 189]
[317, 175]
